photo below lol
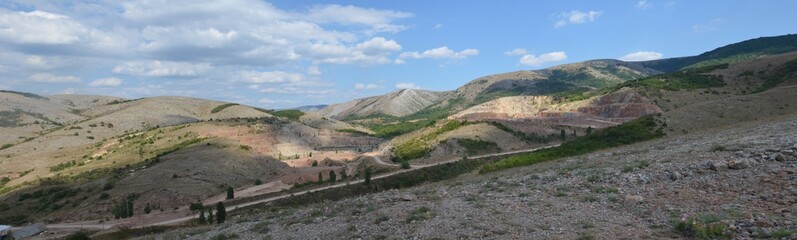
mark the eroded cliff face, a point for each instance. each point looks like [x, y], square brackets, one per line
[618, 106]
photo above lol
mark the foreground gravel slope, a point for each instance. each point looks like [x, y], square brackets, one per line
[745, 176]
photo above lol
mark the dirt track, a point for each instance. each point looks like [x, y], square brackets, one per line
[183, 214]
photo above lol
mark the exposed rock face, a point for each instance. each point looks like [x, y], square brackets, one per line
[400, 103]
[624, 104]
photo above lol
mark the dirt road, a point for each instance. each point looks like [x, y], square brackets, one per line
[181, 216]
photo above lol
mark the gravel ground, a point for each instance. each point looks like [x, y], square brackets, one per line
[743, 177]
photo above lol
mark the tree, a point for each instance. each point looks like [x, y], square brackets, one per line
[320, 177]
[147, 209]
[230, 193]
[332, 176]
[563, 135]
[210, 216]
[221, 213]
[589, 130]
[367, 176]
[343, 174]
[315, 163]
[202, 219]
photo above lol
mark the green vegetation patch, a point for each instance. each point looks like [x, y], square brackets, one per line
[478, 146]
[222, 107]
[641, 129]
[529, 137]
[693, 78]
[418, 147]
[703, 226]
[291, 114]
[397, 129]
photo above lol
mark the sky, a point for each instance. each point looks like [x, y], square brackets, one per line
[287, 53]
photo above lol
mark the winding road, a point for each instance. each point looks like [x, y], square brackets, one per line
[183, 215]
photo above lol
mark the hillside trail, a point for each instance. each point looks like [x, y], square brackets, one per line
[183, 214]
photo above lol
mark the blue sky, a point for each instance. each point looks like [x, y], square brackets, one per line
[289, 53]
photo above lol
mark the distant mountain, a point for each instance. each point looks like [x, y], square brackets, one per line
[399, 103]
[556, 80]
[737, 52]
[310, 108]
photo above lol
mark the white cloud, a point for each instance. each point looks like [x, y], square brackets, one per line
[378, 45]
[51, 78]
[378, 20]
[517, 51]
[407, 85]
[576, 17]
[162, 68]
[441, 52]
[313, 70]
[361, 86]
[709, 26]
[438, 26]
[642, 56]
[532, 60]
[644, 4]
[107, 82]
[297, 90]
[269, 77]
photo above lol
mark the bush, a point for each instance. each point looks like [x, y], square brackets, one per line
[420, 214]
[702, 227]
[78, 236]
[230, 193]
[405, 165]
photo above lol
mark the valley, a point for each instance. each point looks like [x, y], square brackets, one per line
[694, 147]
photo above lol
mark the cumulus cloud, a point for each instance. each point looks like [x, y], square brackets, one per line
[106, 82]
[441, 52]
[362, 86]
[269, 77]
[407, 85]
[642, 56]
[162, 68]
[51, 78]
[517, 51]
[576, 17]
[533, 60]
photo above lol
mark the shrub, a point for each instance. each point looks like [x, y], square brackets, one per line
[258, 182]
[261, 227]
[702, 227]
[405, 165]
[225, 236]
[420, 214]
[78, 236]
[196, 206]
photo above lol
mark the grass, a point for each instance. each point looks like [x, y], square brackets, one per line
[291, 114]
[225, 236]
[693, 78]
[222, 107]
[397, 129]
[422, 213]
[703, 226]
[638, 130]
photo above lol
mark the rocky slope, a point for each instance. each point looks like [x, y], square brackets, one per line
[633, 192]
[399, 103]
